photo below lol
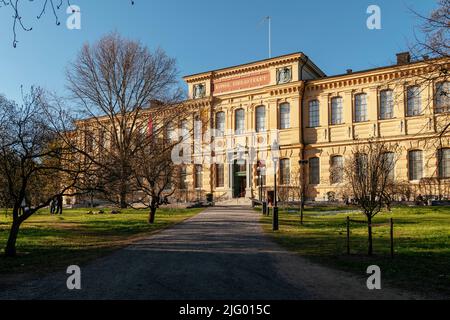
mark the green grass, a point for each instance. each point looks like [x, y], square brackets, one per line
[47, 243]
[421, 235]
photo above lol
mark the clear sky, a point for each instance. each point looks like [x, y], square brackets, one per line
[209, 34]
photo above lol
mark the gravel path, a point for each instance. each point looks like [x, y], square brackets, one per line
[220, 254]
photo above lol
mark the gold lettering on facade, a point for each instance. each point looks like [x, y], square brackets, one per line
[242, 82]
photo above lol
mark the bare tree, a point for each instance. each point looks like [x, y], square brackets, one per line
[115, 82]
[32, 162]
[156, 176]
[368, 175]
[44, 5]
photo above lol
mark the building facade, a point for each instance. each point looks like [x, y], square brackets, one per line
[316, 121]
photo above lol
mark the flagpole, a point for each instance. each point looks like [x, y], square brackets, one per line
[270, 36]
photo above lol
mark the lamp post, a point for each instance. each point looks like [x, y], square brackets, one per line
[258, 170]
[302, 163]
[275, 202]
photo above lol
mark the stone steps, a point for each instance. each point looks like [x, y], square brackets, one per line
[235, 202]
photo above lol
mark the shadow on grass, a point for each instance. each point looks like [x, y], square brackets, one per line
[422, 247]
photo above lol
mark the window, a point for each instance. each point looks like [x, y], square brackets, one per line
[390, 164]
[285, 171]
[183, 175]
[336, 110]
[260, 119]
[170, 132]
[220, 175]
[361, 163]
[337, 169]
[262, 173]
[442, 103]
[361, 108]
[314, 118]
[415, 165]
[285, 116]
[220, 124]
[386, 105]
[314, 171]
[239, 121]
[444, 163]
[413, 107]
[184, 129]
[198, 176]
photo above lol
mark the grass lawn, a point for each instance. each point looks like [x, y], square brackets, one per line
[48, 243]
[421, 235]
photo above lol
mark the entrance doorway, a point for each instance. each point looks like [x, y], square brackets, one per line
[240, 179]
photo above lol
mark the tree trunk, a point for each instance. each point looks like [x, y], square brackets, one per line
[10, 250]
[151, 218]
[123, 200]
[369, 229]
[302, 209]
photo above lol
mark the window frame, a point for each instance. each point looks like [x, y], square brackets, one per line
[333, 121]
[239, 131]
[437, 108]
[443, 164]
[314, 114]
[382, 114]
[220, 132]
[332, 166]
[310, 171]
[362, 111]
[220, 179]
[258, 121]
[412, 174]
[409, 99]
[285, 177]
[198, 183]
[282, 124]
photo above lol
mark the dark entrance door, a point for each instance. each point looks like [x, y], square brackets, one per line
[240, 180]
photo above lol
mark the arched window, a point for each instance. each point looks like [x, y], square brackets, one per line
[314, 171]
[415, 165]
[337, 169]
[442, 100]
[361, 164]
[361, 107]
[220, 124]
[444, 163]
[260, 119]
[386, 104]
[239, 123]
[389, 162]
[314, 117]
[285, 171]
[285, 116]
[336, 110]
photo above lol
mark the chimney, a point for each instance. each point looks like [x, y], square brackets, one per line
[403, 58]
[349, 71]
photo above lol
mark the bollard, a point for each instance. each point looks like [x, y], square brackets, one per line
[275, 219]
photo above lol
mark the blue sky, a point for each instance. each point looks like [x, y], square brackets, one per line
[209, 34]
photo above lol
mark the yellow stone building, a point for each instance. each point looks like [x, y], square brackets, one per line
[316, 118]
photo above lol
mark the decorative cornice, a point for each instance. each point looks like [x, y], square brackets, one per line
[375, 76]
[245, 68]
